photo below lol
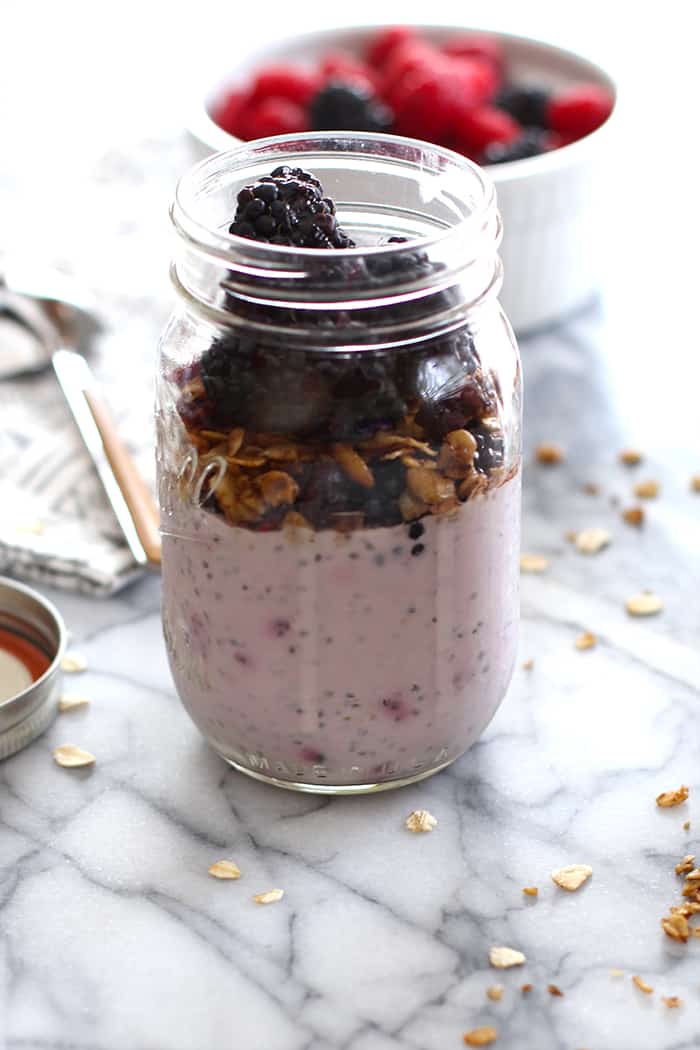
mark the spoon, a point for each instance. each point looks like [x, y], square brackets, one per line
[61, 316]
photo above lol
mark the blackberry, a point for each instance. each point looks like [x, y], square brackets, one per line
[349, 107]
[531, 143]
[527, 104]
[288, 207]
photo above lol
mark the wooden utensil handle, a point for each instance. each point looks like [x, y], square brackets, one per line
[134, 489]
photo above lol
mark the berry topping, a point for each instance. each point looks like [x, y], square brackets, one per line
[288, 207]
[531, 143]
[579, 110]
[476, 129]
[528, 105]
[348, 107]
[386, 41]
[284, 81]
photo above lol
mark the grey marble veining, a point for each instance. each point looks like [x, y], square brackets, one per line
[113, 936]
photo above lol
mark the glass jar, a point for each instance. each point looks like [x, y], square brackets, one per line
[339, 468]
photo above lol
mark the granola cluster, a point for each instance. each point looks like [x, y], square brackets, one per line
[401, 470]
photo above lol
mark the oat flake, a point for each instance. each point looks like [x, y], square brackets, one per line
[526, 988]
[630, 457]
[72, 757]
[672, 798]
[617, 973]
[420, 820]
[686, 864]
[633, 515]
[530, 891]
[644, 604]
[642, 985]
[69, 702]
[553, 990]
[676, 927]
[549, 453]
[528, 665]
[483, 1036]
[646, 489]
[695, 483]
[671, 1001]
[495, 992]
[533, 563]
[73, 662]
[504, 958]
[587, 640]
[590, 541]
[225, 869]
[572, 876]
[269, 897]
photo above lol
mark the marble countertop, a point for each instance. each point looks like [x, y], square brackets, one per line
[112, 934]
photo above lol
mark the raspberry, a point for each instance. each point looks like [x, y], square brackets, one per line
[228, 112]
[476, 45]
[477, 81]
[339, 66]
[579, 110]
[272, 116]
[283, 81]
[411, 57]
[478, 128]
[424, 105]
[386, 41]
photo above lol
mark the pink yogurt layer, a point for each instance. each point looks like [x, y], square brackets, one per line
[330, 659]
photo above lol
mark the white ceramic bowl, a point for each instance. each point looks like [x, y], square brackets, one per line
[548, 203]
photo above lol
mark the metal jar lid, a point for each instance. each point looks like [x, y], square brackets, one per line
[25, 716]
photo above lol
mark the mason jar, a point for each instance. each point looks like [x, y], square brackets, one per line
[339, 464]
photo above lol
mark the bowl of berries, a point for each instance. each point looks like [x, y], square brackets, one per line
[535, 115]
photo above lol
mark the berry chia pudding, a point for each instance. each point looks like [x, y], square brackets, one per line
[339, 470]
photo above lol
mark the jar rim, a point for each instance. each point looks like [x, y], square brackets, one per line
[472, 226]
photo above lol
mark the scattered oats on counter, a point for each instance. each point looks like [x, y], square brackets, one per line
[695, 483]
[590, 541]
[420, 820]
[269, 897]
[225, 869]
[483, 1036]
[72, 757]
[73, 662]
[686, 864]
[676, 927]
[644, 604]
[553, 990]
[503, 958]
[587, 640]
[672, 798]
[671, 1001]
[528, 664]
[642, 985]
[495, 992]
[630, 457]
[530, 891]
[533, 563]
[549, 453]
[646, 489]
[633, 515]
[69, 702]
[572, 876]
